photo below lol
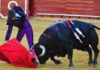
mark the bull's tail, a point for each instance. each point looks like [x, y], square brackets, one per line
[96, 27]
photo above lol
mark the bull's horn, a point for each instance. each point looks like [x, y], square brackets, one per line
[43, 50]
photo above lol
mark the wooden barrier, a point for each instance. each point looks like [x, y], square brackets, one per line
[5, 5]
[84, 8]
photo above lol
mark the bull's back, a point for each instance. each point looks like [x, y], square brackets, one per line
[83, 26]
[60, 30]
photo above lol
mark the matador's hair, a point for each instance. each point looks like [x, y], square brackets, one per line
[11, 14]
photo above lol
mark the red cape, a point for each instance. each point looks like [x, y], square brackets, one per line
[16, 54]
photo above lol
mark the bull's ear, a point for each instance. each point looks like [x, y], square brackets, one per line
[43, 50]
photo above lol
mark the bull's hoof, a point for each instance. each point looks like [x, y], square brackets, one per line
[95, 63]
[71, 65]
[71, 68]
[90, 63]
[57, 62]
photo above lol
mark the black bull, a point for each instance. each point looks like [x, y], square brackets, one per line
[59, 40]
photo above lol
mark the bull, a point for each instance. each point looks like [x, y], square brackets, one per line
[58, 40]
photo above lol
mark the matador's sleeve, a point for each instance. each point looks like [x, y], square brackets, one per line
[8, 33]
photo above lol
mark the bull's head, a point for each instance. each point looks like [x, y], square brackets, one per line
[42, 48]
[41, 53]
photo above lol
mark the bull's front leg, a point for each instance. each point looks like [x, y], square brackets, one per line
[55, 61]
[70, 56]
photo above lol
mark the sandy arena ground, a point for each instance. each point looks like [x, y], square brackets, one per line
[39, 24]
